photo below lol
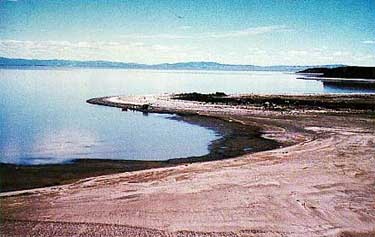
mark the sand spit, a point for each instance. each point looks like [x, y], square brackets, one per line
[323, 184]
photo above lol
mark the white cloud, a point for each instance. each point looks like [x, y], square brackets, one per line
[155, 36]
[310, 56]
[50, 47]
[96, 50]
[141, 52]
[10, 1]
[369, 42]
[214, 35]
[249, 32]
[185, 27]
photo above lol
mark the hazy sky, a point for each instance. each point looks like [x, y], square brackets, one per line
[241, 32]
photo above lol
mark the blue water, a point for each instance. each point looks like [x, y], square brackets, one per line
[44, 117]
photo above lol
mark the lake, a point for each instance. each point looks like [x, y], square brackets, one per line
[45, 119]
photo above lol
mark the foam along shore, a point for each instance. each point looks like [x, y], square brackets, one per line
[322, 184]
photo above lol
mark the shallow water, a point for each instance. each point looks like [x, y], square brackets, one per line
[44, 117]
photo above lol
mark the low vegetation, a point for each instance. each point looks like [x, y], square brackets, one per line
[282, 102]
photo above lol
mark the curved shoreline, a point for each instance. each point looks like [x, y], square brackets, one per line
[236, 139]
[311, 188]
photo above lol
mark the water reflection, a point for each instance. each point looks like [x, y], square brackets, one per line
[44, 117]
[347, 88]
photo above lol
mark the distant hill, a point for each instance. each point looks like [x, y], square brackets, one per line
[15, 62]
[343, 72]
[229, 67]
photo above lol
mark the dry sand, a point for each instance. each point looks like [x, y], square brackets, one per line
[323, 185]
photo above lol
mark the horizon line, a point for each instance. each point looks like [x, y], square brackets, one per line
[178, 62]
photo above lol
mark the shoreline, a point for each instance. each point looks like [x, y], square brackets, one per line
[358, 83]
[235, 137]
[322, 176]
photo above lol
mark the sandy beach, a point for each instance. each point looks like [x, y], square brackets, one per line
[321, 182]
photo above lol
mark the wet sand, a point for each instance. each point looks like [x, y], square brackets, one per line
[235, 139]
[321, 183]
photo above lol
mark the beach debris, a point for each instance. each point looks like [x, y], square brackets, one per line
[145, 107]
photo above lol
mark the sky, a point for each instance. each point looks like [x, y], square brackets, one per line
[259, 32]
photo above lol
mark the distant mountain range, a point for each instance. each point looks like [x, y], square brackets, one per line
[17, 62]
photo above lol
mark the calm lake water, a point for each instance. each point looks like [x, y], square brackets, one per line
[44, 117]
